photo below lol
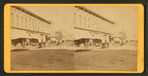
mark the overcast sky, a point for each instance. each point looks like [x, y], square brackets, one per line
[125, 17]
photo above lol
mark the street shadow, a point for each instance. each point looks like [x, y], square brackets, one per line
[82, 50]
[16, 50]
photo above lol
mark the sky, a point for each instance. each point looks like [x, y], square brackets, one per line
[125, 17]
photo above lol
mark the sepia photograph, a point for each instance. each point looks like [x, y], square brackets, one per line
[73, 38]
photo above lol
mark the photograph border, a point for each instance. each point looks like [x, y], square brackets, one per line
[7, 40]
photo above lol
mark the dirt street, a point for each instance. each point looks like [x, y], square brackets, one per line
[67, 60]
[42, 60]
[106, 60]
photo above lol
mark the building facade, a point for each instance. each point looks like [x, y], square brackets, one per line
[25, 24]
[38, 22]
[88, 24]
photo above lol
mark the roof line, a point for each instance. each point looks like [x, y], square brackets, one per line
[94, 13]
[92, 30]
[30, 13]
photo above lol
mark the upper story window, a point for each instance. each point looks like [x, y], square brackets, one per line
[38, 26]
[26, 22]
[17, 20]
[12, 19]
[30, 24]
[92, 23]
[34, 25]
[22, 22]
[80, 19]
[84, 21]
[88, 23]
[74, 18]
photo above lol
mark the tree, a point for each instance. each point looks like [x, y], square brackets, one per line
[58, 35]
[123, 34]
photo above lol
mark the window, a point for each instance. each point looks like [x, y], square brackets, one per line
[38, 26]
[25, 22]
[32, 25]
[103, 28]
[22, 20]
[46, 27]
[74, 18]
[17, 21]
[41, 27]
[84, 21]
[29, 24]
[98, 26]
[35, 28]
[12, 19]
[93, 24]
[88, 23]
[80, 20]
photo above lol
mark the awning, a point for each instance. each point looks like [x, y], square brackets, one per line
[19, 34]
[79, 34]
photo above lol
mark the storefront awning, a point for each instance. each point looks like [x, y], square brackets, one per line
[19, 34]
[79, 34]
